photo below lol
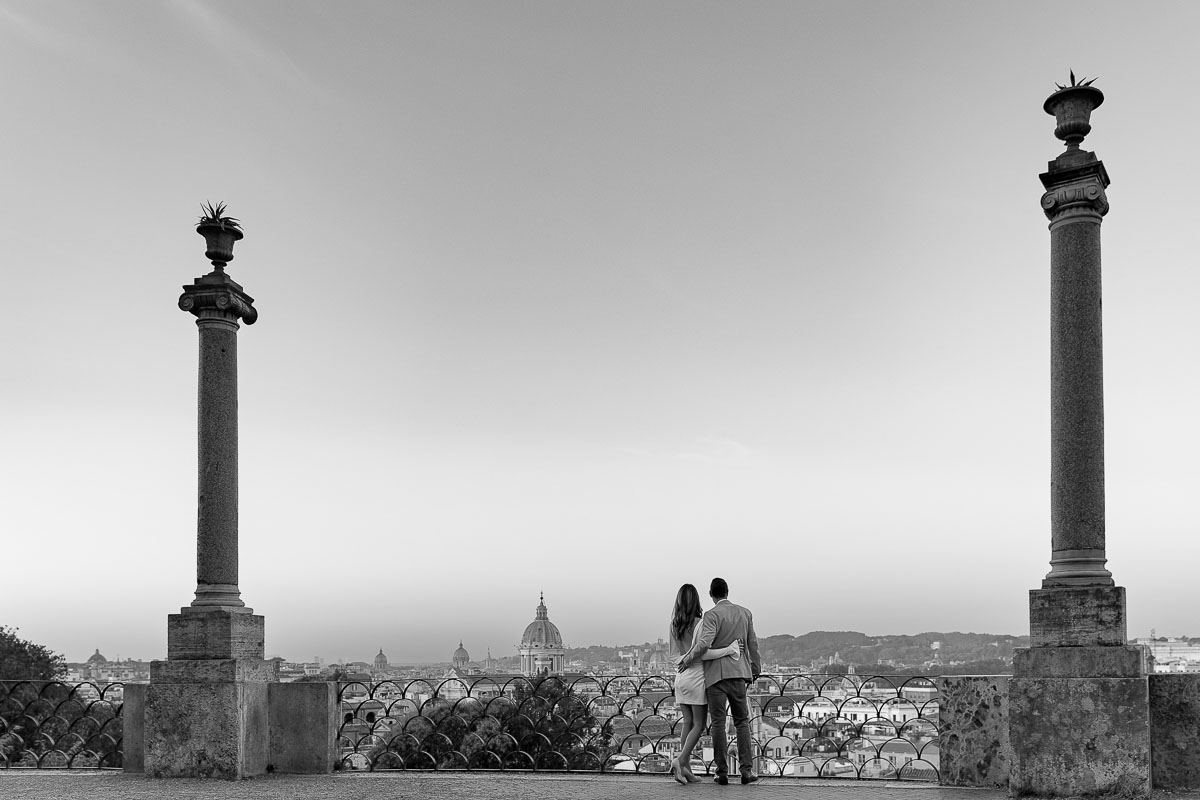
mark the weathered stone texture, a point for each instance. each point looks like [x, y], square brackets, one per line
[133, 734]
[206, 730]
[973, 720]
[303, 717]
[214, 634]
[1078, 662]
[217, 504]
[1175, 731]
[1074, 736]
[225, 670]
[1077, 616]
[1076, 388]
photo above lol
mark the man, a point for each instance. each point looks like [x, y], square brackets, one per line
[726, 679]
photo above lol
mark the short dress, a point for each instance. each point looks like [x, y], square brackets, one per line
[689, 684]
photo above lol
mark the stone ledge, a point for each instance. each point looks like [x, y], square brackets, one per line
[1079, 662]
[217, 670]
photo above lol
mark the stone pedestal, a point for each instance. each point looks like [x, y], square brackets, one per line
[1079, 698]
[1080, 736]
[1077, 616]
[197, 727]
[206, 709]
[197, 633]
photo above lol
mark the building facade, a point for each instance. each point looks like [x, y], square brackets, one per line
[541, 647]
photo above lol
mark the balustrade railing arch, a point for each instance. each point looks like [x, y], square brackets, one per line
[56, 725]
[827, 726]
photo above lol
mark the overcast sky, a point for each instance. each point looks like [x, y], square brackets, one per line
[590, 298]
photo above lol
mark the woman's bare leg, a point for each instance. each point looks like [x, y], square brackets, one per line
[696, 717]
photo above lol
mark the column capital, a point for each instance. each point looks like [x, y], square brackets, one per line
[1075, 185]
[219, 298]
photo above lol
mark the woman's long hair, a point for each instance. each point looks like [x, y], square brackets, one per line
[687, 611]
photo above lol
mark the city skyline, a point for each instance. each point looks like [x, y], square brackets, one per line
[589, 299]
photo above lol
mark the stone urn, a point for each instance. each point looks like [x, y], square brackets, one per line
[1072, 109]
[218, 241]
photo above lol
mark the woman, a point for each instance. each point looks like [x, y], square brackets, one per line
[689, 683]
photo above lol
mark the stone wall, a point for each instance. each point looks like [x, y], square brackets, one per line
[1175, 731]
[975, 749]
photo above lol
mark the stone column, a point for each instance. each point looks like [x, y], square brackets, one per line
[1075, 204]
[218, 303]
[1079, 712]
[206, 706]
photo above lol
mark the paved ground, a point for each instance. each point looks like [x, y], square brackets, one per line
[53, 785]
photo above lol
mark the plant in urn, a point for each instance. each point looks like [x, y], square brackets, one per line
[219, 232]
[1072, 108]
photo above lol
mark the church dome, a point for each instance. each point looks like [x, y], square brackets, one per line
[381, 661]
[96, 658]
[461, 653]
[541, 632]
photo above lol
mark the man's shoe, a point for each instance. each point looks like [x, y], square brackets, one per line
[721, 780]
[749, 779]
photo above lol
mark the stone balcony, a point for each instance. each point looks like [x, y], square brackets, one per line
[808, 730]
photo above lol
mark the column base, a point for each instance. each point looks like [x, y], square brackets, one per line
[218, 595]
[1078, 568]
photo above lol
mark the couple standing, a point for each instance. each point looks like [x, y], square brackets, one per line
[713, 672]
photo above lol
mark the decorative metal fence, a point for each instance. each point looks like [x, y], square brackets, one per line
[818, 726]
[54, 725]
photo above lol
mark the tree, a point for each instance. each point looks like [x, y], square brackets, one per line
[337, 676]
[22, 660]
[540, 723]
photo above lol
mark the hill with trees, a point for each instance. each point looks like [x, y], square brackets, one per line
[980, 653]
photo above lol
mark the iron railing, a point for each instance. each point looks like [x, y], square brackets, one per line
[821, 726]
[55, 725]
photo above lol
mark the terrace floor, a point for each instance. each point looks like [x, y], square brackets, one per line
[56, 785]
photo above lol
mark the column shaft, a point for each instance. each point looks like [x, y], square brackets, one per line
[1077, 403]
[217, 447]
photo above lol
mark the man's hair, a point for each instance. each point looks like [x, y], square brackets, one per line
[718, 588]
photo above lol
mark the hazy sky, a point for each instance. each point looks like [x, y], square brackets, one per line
[590, 298]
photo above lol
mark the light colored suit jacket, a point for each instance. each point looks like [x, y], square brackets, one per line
[723, 623]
